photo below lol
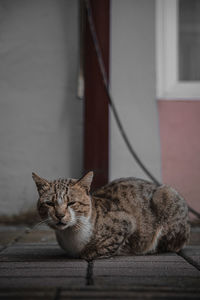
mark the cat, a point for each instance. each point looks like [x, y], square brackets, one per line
[128, 216]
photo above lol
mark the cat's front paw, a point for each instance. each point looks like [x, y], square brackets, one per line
[88, 257]
[92, 256]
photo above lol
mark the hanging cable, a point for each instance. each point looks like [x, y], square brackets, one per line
[111, 102]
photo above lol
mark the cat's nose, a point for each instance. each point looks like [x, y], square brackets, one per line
[59, 215]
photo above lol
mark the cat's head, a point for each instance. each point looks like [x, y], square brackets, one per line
[64, 203]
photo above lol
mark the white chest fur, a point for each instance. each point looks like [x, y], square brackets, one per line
[73, 241]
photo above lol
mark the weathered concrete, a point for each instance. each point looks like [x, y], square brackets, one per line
[41, 118]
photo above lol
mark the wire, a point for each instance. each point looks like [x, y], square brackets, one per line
[111, 102]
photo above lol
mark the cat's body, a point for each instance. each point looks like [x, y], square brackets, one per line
[127, 216]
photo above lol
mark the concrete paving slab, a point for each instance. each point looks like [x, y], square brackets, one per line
[165, 257]
[19, 245]
[160, 270]
[40, 236]
[140, 272]
[193, 252]
[98, 294]
[106, 294]
[141, 264]
[9, 236]
[45, 253]
[12, 228]
[110, 282]
[36, 262]
[195, 236]
[195, 249]
[145, 269]
[40, 272]
[28, 294]
[41, 282]
[68, 263]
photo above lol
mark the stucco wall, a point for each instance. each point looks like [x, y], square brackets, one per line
[40, 117]
[133, 82]
[179, 132]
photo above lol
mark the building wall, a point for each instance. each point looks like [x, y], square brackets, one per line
[133, 82]
[179, 132]
[40, 116]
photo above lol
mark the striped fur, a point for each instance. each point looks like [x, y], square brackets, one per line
[127, 216]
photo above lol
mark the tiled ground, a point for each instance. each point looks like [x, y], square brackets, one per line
[32, 266]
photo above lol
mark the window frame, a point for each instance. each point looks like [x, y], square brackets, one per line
[169, 87]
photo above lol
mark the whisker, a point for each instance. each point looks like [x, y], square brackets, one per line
[37, 225]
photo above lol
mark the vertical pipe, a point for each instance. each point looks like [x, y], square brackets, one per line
[96, 110]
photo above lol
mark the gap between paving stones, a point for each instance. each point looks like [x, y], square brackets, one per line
[89, 274]
[189, 260]
[89, 279]
[57, 294]
[89, 271]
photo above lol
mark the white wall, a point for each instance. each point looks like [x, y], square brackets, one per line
[133, 85]
[40, 117]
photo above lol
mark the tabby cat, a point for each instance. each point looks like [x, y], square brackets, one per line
[125, 217]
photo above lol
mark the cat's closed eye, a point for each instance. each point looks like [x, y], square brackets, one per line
[71, 203]
[49, 203]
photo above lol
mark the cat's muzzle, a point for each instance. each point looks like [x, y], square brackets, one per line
[60, 225]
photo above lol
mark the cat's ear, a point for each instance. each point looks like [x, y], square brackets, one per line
[41, 183]
[86, 181]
